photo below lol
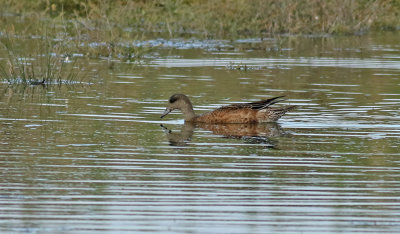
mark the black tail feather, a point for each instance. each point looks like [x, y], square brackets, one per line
[264, 103]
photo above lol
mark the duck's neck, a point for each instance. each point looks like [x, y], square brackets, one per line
[188, 113]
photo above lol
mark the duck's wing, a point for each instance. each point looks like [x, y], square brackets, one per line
[258, 105]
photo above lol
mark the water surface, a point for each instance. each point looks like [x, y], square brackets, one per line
[97, 158]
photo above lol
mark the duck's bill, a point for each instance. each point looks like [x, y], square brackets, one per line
[166, 112]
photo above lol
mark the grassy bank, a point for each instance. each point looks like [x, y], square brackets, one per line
[110, 29]
[217, 19]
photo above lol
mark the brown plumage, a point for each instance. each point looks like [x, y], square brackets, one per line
[254, 112]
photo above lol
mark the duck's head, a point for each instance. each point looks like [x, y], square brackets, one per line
[178, 102]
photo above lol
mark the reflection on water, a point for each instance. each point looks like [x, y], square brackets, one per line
[250, 133]
[93, 158]
[263, 63]
[180, 138]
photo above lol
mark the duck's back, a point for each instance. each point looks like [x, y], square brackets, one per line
[243, 115]
[254, 112]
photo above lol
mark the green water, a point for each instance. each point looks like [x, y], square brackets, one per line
[96, 157]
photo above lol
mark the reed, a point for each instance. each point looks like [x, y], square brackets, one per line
[47, 62]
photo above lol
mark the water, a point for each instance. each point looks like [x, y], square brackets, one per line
[97, 158]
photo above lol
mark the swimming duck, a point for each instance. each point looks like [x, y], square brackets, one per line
[254, 112]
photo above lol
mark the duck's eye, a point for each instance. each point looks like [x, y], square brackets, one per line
[173, 99]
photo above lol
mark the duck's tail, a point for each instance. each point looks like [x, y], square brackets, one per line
[273, 114]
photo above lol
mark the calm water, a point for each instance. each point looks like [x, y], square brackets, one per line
[97, 158]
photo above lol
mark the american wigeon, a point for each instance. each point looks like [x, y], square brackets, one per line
[254, 112]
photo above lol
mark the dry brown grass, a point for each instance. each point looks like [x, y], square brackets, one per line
[218, 19]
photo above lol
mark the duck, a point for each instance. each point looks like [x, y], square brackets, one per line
[253, 112]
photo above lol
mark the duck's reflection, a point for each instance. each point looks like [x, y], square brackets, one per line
[249, 133]
[180, 138]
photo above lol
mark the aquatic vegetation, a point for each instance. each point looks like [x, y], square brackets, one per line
[48, 62]
[240, 66]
